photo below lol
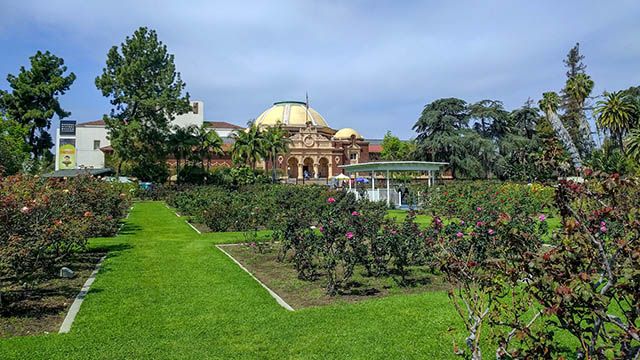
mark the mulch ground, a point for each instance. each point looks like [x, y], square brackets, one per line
[40, 307]
[281, 277]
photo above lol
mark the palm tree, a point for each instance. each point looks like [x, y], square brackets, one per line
[248, 147]
[181, 143]
[275, 142]
[209, 143]
[616, 113]
[549, 104]
[632, 144]
[578, 88]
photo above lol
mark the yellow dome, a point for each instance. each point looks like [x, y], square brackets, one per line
[346, 133]
[290, 113]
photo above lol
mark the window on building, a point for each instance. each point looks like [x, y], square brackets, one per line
[353, 156]
[195, 107]
[96, 144]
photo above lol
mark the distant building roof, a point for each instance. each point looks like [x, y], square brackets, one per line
[92, 123]
[394, 166]
[76, 172]
[222, 125]
[375, 148]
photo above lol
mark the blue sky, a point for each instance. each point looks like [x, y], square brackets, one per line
[371, 65]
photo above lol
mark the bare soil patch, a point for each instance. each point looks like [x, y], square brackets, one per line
[40, 307]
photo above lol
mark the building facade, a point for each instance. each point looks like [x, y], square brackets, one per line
[315, 149]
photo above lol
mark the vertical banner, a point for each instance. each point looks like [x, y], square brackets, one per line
[67, 154]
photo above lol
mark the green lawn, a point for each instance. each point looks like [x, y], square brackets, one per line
[554, 223]
[400, 215]
[166, 292]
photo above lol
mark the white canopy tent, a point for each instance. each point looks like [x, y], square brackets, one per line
[393, 166]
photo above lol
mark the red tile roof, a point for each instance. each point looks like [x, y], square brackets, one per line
[375, 148]
[222, 125]
[95, 122]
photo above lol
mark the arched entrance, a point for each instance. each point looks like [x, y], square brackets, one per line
[323, 169]
[307, 168]
[292, 168]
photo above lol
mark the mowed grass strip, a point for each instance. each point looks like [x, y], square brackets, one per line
[166, 292]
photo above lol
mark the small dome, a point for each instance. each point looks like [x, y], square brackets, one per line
[346, 133]
[290, 114]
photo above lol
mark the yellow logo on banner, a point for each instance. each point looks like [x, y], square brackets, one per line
[67, 154]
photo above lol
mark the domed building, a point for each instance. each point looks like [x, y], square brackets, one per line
[315, 149]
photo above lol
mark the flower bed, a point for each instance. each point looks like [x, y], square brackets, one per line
[461, 198]
[44, 221]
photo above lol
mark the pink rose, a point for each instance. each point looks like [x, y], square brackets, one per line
[355, 213]
[349, 235]
[24, 210]
[542, 217]
[603, 229]
[331, 200]
[479, 223]
[321, 228]
[459, 234]
[479, 208]
[491, 232]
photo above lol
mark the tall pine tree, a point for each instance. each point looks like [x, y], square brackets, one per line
[141, 81]
[575, 94]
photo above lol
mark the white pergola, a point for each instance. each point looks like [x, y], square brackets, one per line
[391, 166]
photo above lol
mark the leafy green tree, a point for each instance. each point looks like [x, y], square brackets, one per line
[146, 92]
[610, 159]
[617, 113]
[248, 147]
[491, 119]
[438, 129]
[34, 99]
[577, 89]
[395, 149]
[549, 104]
[275, 142]
[14, 151]
[525, 119]
[473, 155]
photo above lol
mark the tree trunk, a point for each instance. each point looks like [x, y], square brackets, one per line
[585, 131]
[565, 138]
[177, 169]
[273, 167]
[32, 142]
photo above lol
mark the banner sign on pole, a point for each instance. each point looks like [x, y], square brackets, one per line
[67, 154]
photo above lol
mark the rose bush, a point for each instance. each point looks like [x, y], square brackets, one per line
[585, 282]
[44, 220]
[462, 198]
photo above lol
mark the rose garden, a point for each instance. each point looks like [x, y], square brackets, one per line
[153, 233]
[530, 270]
